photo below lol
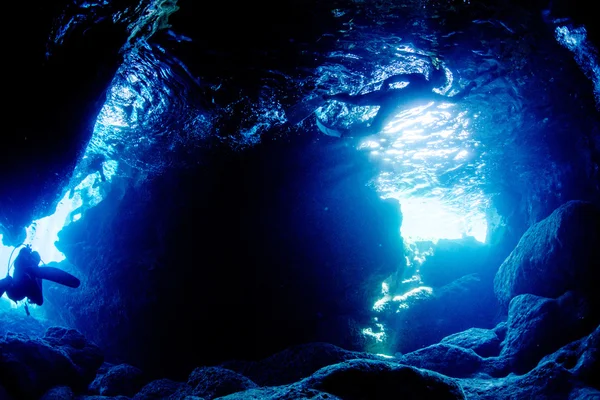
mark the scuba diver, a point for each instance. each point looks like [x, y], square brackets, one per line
[27, 277]
[390, 100]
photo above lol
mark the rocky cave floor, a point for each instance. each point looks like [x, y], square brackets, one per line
[547, 347]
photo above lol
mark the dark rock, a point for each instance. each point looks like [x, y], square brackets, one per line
[294, 363]
[122, 379]
[97, 397]
[500, 330]
[212, 382]
[548, 381]
[554, 256]
[446, 359]
[163, 389]
[59, 393]
[370, 379]
[453, 259]
[87, 356]
[29, 367]
[69, 80]
[291, 392]
[581, 357]
[94, 387]
[484, 342]
[585, 393]
[538, 326]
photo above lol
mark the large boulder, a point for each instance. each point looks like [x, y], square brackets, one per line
[85, 355]
[581, 358]
[372, 379]
[213, 382]
[123, 380]
[31, 366]
[294, 363]
[163, 389]
[446, 359]
[484, 342]
[555, 255]
[538, 326]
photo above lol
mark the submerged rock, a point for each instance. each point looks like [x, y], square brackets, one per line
[582, 358]
[294, 363]
[545, 382]
[122, 379]
[484, 342]
[446, 359]
[163, 389]
[87, 356]
[31, 366]
[59, 393]
[371, 379]
[555, 255]
[279, 393]
[538, 326]
[213, 382]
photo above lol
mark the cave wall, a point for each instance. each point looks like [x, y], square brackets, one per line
[54, 95]
[238, 258]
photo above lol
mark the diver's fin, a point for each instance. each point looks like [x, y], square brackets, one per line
[58, 276]
[327, 130]
[303, 110]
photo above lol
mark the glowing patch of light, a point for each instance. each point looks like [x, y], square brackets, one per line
[424, 144]
[378, 336]
[575, 39]
[448, 222]
[384, 356]
[408, 118]
[385, 288]
[369, 144]
[380, 304]
[42, 234]
[422, 291]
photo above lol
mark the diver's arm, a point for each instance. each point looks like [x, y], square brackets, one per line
[367, 99]
[410, 78]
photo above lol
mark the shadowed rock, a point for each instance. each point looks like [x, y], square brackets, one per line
[484, 342]
[555, 255]
[31, 366]
[294, 363]
[122, 379]
[538, 326]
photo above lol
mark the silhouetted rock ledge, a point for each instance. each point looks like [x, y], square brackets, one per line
[61, 365]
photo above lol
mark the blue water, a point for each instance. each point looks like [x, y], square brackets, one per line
[441, 161]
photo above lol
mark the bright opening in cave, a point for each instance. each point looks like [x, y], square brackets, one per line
[42, 234]
[432, 165]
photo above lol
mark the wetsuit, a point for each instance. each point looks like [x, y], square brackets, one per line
[25, 281]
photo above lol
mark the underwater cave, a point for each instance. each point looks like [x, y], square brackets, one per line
[337, 199]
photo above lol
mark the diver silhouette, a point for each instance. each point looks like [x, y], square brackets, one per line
[27, 277]
[390, 100]
[419, 91]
